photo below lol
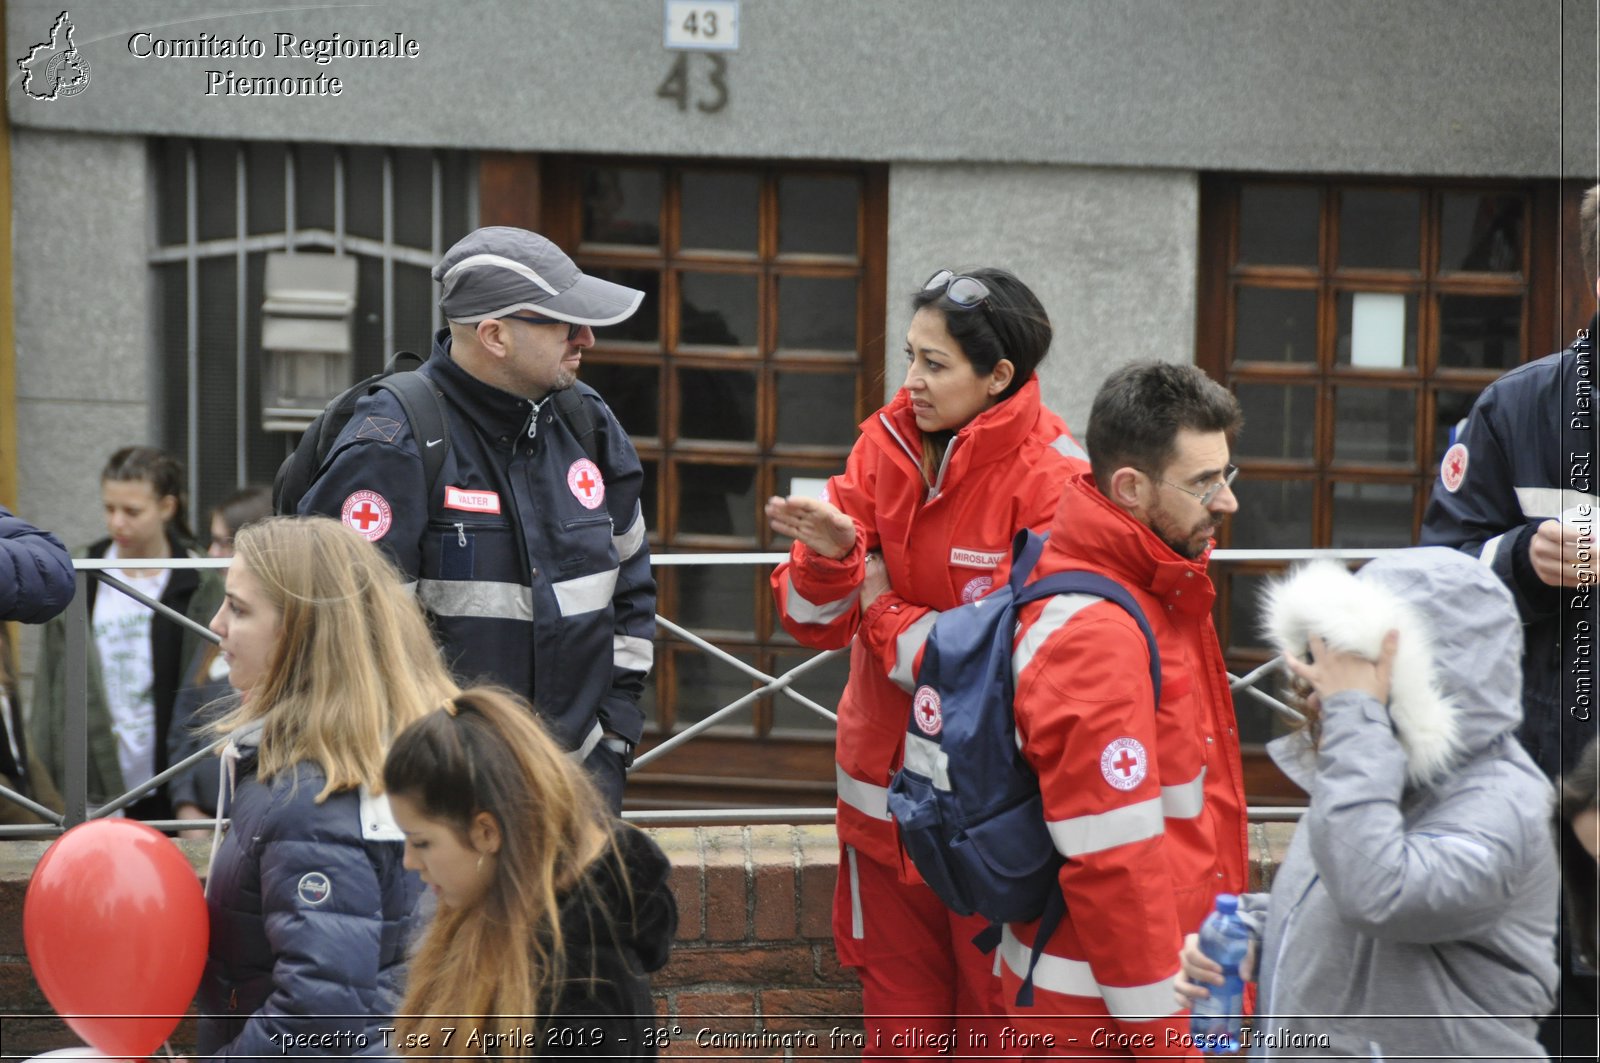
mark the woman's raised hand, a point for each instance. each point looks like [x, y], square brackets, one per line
[818, 524]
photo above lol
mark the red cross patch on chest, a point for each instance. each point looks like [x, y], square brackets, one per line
[586, 484]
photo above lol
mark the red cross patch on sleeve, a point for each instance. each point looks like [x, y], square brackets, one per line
[368, 514]
[1124, 763]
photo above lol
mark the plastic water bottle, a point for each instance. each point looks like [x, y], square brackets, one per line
[1216, 1021]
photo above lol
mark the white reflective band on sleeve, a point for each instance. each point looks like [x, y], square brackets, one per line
[586, 594]
[1057, 611]
[480, 598]
[927, 758]
[864, 797]
[1068, 447]
[1552, 501]
[590, 740]
[636, 655]
[1142, 1003]
[1186, 800]
[1107, 830]
[629, 542]
[1075, 978]
[906, 647]
[1490, 548]
[802, 611]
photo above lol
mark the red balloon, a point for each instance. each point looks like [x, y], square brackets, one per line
[116, 929]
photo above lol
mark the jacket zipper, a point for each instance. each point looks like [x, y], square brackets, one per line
[461, 534]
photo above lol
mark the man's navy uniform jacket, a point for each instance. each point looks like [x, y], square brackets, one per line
[530, 557]
[1527, 455]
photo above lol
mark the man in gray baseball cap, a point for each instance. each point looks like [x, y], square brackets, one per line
[529, 549]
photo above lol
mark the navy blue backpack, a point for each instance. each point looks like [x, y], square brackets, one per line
[968, 805]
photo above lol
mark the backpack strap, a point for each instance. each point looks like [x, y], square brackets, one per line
[1078, 582]
[424, 412]
[574, 410]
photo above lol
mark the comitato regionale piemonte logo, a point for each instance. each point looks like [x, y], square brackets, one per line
[55, 69]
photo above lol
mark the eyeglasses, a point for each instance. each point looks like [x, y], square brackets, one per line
[965, 292]
[572, 328]
[1209, 495]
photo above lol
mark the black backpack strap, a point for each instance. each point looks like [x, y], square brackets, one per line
[425, 413]
[1026, 547]
[1055, 910]
[574, 410]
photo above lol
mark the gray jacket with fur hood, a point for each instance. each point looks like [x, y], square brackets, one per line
[1415, 914]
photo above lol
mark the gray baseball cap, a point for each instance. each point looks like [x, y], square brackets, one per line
[499, 270]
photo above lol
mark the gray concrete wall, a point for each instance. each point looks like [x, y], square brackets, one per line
[83, 319]
[1110, 254]
[1425, 87]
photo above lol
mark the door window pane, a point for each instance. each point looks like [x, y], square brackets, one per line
[706, 685]
[645, 324]
[1379, 229]
[217, 171]
[716, 499]
[621, 205]
[817, 313]
[1278, 225]
[717, 310]
[815, 409]
[264, 177]
[1275, 325]
[1369, 516]
[1377, 330]
[720, 211]
[1280, 422]
[817, 214]
[1480, 331]
[1481, 232]
[1273, 514]
[716, 597]
[717, 404]
[1375, 425]
[632, 391]
[822, 683]
[1244, 608]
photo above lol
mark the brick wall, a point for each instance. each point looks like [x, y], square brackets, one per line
[754, 953]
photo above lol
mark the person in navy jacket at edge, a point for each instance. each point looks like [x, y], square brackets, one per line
[36, 583]
[1517, 489]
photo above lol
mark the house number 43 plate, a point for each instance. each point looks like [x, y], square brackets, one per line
[702, 25]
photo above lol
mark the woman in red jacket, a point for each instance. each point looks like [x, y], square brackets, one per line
[920, 521]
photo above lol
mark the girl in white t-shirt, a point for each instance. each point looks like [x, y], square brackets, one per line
[136, 660]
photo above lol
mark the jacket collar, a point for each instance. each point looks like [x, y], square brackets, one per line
[1091, 531]
[995, 434]
[496, 414]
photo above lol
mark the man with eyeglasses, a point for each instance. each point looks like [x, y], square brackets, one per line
[530, 553]
[1145, 801]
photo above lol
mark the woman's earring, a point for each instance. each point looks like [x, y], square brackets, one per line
[480, 861]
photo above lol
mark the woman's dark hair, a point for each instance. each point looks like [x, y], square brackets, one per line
[1140, 409]
[1011, 323]
[162, 472]
[250, 502]
[1580, 791]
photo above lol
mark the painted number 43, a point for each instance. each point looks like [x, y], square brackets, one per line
[708, 26]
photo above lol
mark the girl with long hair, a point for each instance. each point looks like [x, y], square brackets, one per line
[922, 519]
[137, 659]
[310, 905]
[550, 917]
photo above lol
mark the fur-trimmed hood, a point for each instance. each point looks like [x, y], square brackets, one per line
[1457, 681]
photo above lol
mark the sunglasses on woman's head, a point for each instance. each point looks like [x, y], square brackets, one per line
[966, 292]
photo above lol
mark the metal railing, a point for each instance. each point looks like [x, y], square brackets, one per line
[74, 781]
